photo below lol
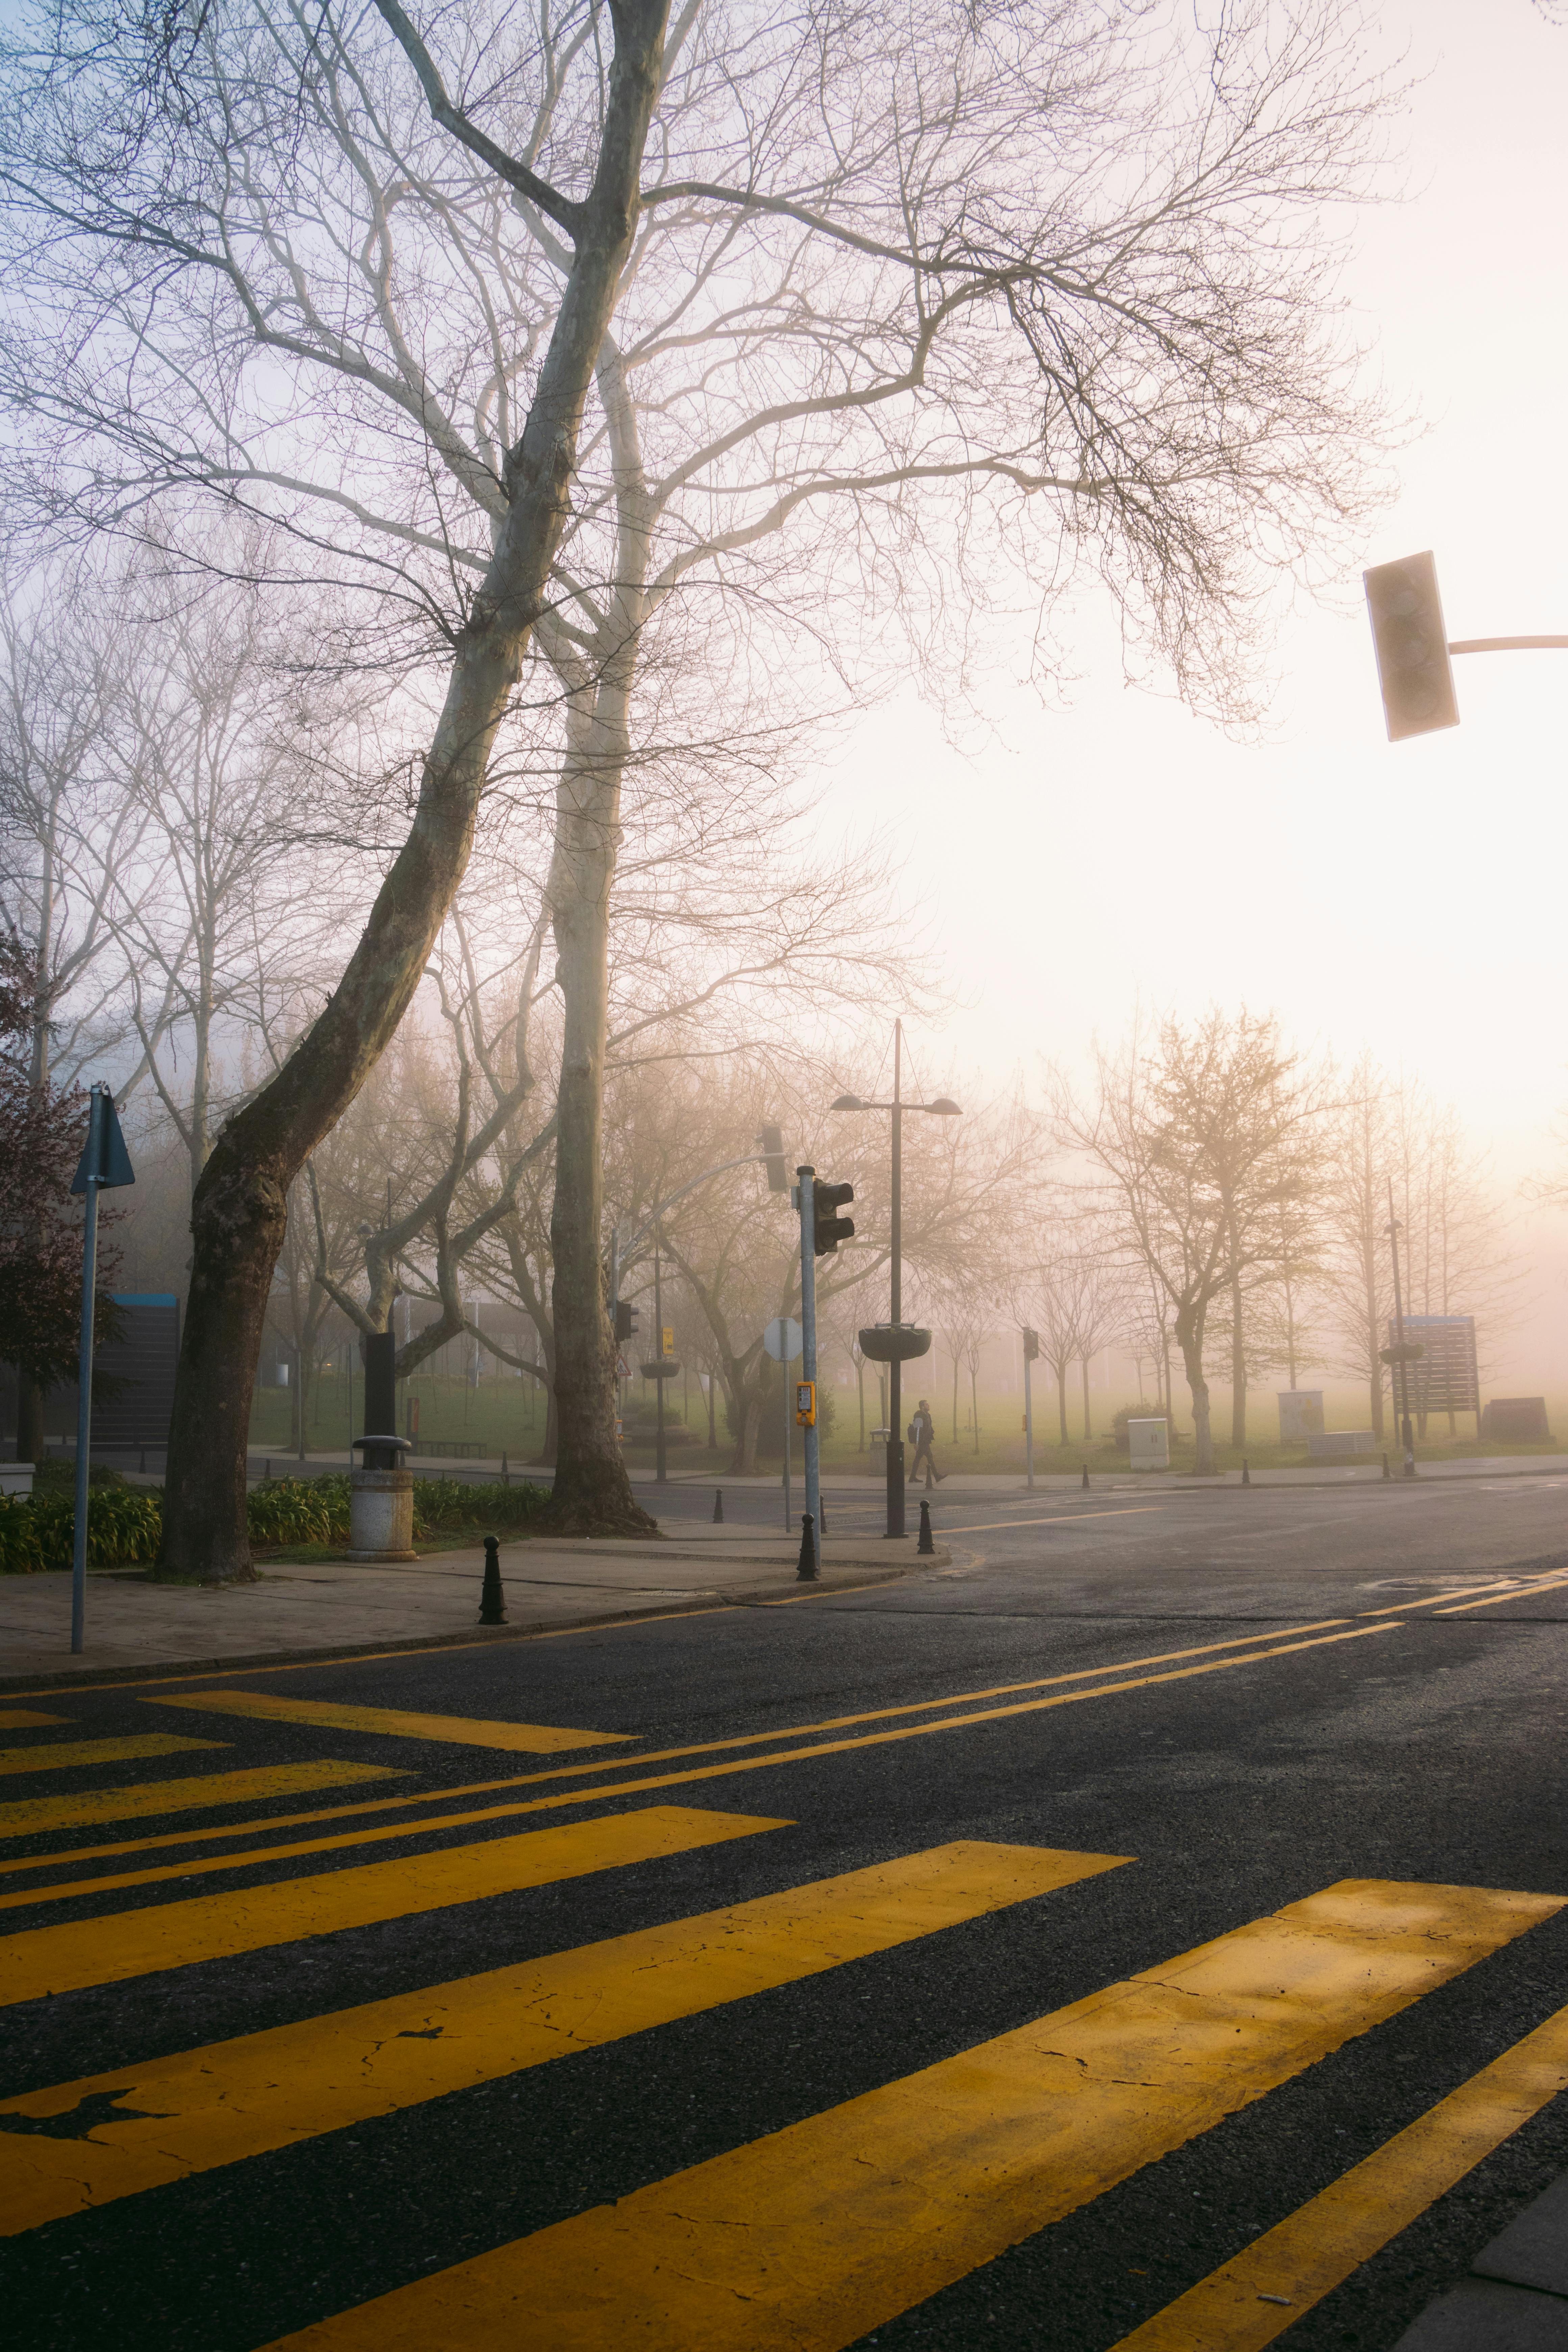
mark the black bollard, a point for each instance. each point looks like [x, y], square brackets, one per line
[821, 1516]
[1245, 1473]
[505, 1472]
[718, 1506]
[1386, 1471]
[805, 1573]
[1086, 1477]
[493, 1600]
[925, 1544]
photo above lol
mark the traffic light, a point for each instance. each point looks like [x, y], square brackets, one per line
[1031, 1347]
[770, 1141]
[1412, 646]
[828, 1228]
[625, 1321]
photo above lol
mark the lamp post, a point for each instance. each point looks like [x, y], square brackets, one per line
[942, 1109]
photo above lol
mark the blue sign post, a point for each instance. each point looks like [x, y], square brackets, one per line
[104, 1164]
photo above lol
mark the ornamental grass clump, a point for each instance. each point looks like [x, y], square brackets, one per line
[124, 1528]
[449, 1502]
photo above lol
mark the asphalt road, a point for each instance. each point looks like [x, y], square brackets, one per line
[257, 2077]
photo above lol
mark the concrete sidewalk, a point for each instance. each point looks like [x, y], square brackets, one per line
[331, 1607]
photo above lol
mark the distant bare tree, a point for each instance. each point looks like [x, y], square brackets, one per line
[1195, 1136]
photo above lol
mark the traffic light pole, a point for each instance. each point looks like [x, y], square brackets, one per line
[94, 1157]
[1029, 1423]
[808, 1177]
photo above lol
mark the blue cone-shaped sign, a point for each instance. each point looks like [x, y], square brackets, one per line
[106, 1156]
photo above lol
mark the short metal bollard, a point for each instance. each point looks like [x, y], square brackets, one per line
[718, 1506]
[493, 1600]
[1386, 1471]
[806, 1571]
[1086, 1477]
[926, 1544]
[1245, 1473]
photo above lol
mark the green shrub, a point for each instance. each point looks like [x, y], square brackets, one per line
[124, 1526]
[299, 1510]
[449, 1502]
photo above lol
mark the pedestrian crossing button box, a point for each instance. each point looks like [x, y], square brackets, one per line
[806, 1404]
[1149, 1444]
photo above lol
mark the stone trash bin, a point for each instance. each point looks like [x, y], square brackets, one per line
[381, 1503]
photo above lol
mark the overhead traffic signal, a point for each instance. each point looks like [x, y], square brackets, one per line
[1412, 646]
[625, 1321]
[771, 1143]
[828, 1228]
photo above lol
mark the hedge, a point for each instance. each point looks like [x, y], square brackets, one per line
[125, 1524]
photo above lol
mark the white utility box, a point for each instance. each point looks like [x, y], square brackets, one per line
[1300, 1414]
[1149, 1444]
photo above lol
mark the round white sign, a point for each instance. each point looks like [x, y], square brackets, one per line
[782, 1338]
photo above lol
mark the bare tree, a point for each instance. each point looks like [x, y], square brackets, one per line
[1117, 321]
[1195, 1136]
[216, 212]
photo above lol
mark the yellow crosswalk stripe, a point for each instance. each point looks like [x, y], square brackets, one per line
[804, 2241]
[255, 1784]
[216, 1927]
[709, 1747]
[23, 1718]
[1265, 2289]
[390, 1722]
[153, 2124]
[56, 1755]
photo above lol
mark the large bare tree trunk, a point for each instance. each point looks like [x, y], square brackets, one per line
[1190, 1339]
[592, 1490]
[239, 1211]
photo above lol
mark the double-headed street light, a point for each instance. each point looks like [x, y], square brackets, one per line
[896, 1342]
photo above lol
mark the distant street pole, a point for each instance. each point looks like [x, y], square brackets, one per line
[661, 1457]
[942, 1109]
[1406, 1433]
[1031, 1349]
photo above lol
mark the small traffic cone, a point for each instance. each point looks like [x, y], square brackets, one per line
[806, 1571]
[925, 1545]
[718, 1506]
[1086, 1477]
[1245, 1473]
[493, 1600]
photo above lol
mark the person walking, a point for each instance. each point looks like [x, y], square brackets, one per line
[922, 1434]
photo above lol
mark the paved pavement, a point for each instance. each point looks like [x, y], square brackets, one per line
[1146, 1930]
[333, 1605]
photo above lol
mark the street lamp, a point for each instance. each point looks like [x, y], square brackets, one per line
[895, 1343]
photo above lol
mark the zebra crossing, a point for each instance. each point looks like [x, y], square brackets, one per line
[809, 2236]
